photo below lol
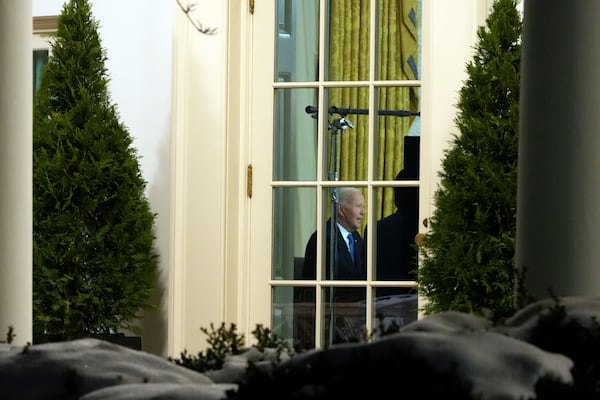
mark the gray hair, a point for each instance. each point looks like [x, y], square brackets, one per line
[345, 192]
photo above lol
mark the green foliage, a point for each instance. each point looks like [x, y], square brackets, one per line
[267, 339]
[315, 378]
[10, 335]
[94, 263]
[222, 342]
[557, 333]
[226, 341]
[468, 260]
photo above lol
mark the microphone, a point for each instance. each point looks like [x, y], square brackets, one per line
[342, 123]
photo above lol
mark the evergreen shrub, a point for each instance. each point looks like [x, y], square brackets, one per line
[468, 259]
[94, 262]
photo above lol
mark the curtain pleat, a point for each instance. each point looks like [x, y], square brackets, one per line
[349, 61]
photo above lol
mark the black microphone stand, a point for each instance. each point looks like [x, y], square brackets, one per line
[336, 127]
[313, 110]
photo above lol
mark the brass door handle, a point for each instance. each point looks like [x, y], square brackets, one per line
[420, 239]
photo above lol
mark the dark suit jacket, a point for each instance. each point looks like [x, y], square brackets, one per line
[344, 268]
[396, 254]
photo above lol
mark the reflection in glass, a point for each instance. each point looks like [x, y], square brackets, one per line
[297, 41]
[294, 136]
[394, 308]
[293, 316]
[344, 315]
[294, 219]
[40, 59]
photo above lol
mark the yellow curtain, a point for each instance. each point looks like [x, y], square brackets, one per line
[397, 60]
[349, 61]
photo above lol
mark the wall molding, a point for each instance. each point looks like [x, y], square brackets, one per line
[48, 23]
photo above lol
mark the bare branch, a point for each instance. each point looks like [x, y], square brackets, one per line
[186, 10]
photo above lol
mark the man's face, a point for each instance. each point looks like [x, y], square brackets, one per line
[352, 211]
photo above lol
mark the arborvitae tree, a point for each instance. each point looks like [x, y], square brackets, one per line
[94, 261]
[468, 260]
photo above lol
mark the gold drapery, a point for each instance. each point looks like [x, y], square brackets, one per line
[397, 59]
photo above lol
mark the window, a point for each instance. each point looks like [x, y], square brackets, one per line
[42, 28]
[40, 59]
[335, 62]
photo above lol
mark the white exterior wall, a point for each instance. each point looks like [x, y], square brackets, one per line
[447, 48]
[200, 174]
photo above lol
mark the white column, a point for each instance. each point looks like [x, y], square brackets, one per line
[16, 169]
[558, 202]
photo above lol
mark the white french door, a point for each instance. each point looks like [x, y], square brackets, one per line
[335, 101]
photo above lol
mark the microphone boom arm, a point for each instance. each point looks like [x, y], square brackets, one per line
[313, 110]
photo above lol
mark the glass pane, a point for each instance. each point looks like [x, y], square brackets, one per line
[397, 131]
[293, 316]
[399, 39]
[349, 207]
[348, 40]
[347, 140]
[344, 315]
[294, 136]
[294, 220]
[345, 161]
[297, 41]
[395, 250]
[394, 308]
[40, 59]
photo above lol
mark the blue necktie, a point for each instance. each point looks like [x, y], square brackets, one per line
[351, 245]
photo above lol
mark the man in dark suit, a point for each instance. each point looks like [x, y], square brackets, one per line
[350, 213]
[396, 253]
[344, 310]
